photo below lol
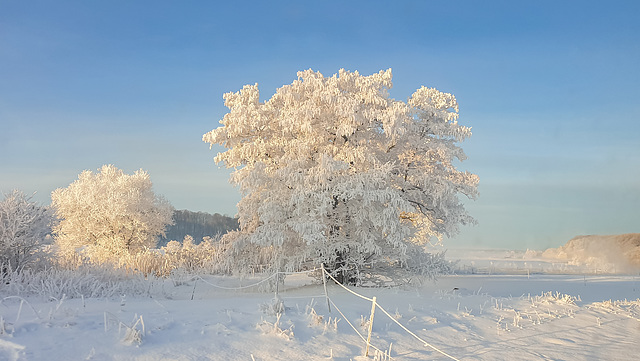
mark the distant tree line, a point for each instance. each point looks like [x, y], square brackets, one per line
[198, 225]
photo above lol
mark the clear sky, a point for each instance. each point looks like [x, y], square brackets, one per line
[550, 88]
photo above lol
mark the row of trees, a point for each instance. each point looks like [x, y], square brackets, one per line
[107, 217]
[100, 217]
[332, 172]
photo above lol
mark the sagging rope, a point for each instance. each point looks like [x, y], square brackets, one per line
[257, 283]
[353, 327]
[254, 284]
[336, 307]
[388, 315]
[343, 286]
[414, 335]
[238, 288]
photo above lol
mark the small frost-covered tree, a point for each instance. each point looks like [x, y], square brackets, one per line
[24, 226]
[334, 171]
[109, 213]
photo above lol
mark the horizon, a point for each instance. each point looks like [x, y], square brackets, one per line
[550, 91]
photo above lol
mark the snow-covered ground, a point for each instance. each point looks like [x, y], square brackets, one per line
[509, 312]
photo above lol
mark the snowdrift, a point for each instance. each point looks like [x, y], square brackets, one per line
[609, 254]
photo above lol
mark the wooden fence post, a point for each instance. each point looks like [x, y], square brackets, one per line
[373, 310]
[324, 282]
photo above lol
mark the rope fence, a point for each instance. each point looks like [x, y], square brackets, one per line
[239, 287]
[354, 328]
[375, 304]
[373, 307]
[254, 284]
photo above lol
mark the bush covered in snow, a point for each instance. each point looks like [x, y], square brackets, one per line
[24, 226]
[175, 256]
[89, 281]
[192, 257]
[132, 273]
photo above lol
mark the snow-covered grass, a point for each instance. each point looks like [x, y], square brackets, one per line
[467, 317]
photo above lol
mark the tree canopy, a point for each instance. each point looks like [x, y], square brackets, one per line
[109, 213]
[334, 171]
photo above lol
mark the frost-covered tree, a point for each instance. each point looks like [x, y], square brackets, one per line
[109, 213]
[24, 226]
[334, 171]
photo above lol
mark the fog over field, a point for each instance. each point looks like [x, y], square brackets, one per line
[609, 254]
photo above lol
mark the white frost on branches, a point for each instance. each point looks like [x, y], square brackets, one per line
[23, 227]
[109, 213]
[334, 171]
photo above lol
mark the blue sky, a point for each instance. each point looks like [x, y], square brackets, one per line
[550, 88]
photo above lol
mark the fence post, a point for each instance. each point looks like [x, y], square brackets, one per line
[324, 282]
[373, 310]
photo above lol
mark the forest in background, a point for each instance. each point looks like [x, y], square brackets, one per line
[198, 225]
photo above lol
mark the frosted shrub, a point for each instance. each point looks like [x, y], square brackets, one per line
[132, 334]
[274, 308]
[86, 281]
[186, 257]
[24, 226]
[555, 298]
[314, 318]
[425, 265]
[276, 328]
[173, 259]
[148, 262]
[192, 257]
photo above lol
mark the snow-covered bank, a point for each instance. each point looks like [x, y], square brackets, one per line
[612, 254]
[618, 254]
[469, 317]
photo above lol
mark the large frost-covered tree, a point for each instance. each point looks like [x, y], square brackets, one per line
[109, 213]
[334, 171]
[23, 227]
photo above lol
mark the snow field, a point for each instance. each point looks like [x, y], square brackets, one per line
[469, 317]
